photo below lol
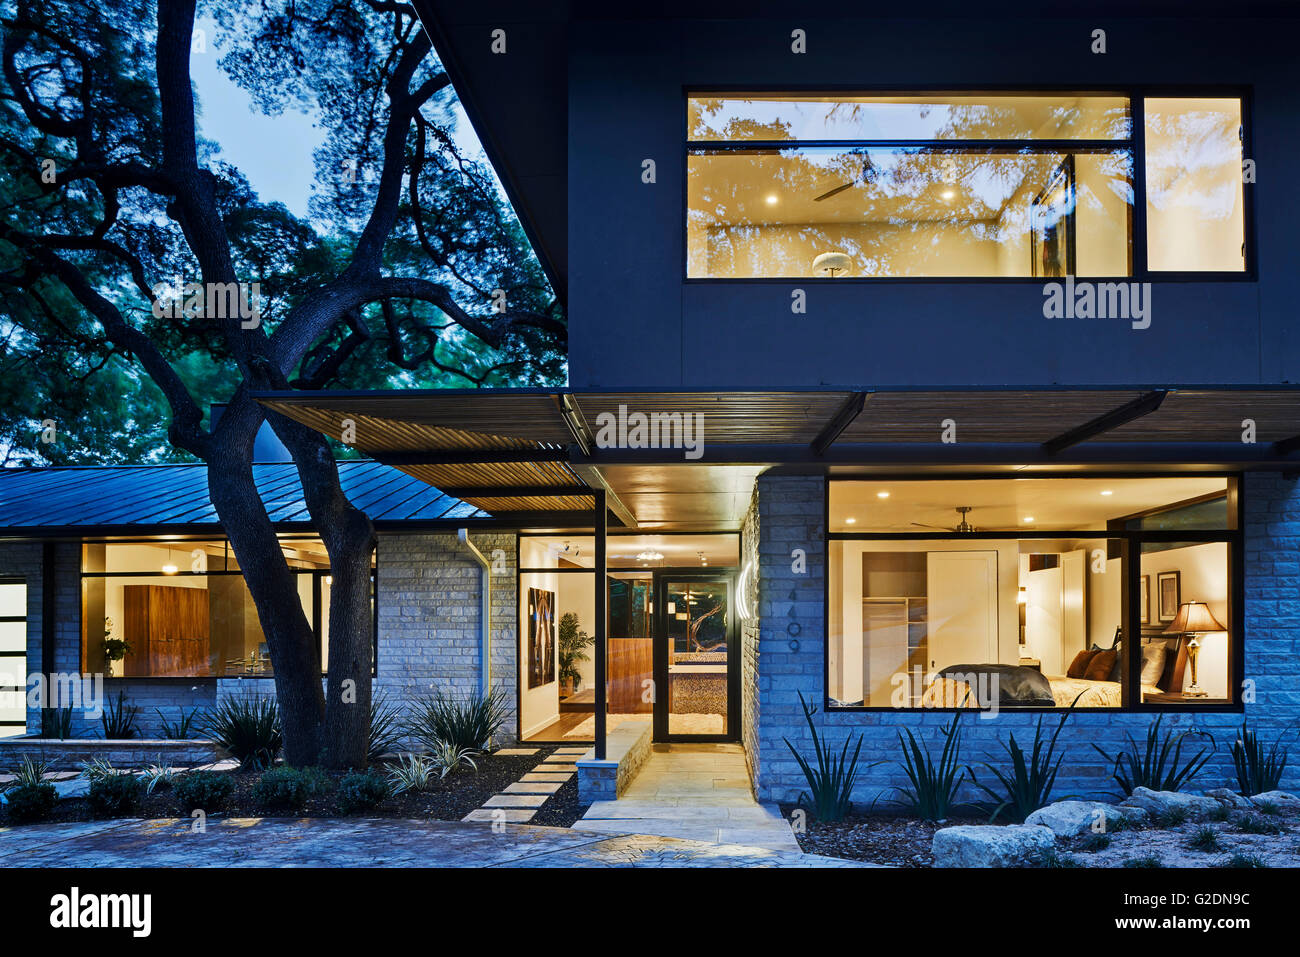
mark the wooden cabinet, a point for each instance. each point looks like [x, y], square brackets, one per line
[167, 628]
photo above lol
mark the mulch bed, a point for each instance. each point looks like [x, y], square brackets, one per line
[883, 838]
[447, 800]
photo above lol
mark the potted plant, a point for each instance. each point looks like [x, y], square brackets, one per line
[115, 649]
[572, 644]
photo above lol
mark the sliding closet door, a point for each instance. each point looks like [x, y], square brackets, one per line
[963, 607]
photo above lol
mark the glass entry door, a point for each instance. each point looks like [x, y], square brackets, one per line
[696, 658]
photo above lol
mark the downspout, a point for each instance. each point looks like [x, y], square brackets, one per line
[485, 613]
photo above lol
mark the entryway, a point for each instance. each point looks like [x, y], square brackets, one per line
[696, 676]
[698, 792]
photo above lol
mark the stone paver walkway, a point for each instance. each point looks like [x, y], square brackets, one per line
[365, 842]
[697, 792]
[522, 800]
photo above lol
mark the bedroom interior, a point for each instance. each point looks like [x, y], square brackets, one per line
[1014, 592]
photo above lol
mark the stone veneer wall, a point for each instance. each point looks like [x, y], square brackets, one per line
[428, 594]
[791, 515]
[429, 617]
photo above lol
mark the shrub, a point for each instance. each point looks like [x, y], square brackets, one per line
[119, 719]
[1055, 858]
[1158, 765]
[831, 782]
[184, 726]
[1146, 860]
[1028, 785]
[1245, 860]
[469, 723]
[1095, 842]
[1256, 824]
[1268, 807]
[385, 728]
[412, 772]
[249, 730]
[30, 772]
[206, 790]
[361, 791]
[1204, 839]
[284, 789]
[934, 787]
[115, 795]
[29, 803]
[56, 723]
[1257, 771]
[1170, 817]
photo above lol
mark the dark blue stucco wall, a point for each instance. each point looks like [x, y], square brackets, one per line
[635, 321]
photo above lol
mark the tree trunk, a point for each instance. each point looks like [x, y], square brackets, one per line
[289, 636]
[351, 648]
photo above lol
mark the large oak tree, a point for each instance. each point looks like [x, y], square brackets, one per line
[111, 194]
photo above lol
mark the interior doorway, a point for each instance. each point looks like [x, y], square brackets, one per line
[696, 660]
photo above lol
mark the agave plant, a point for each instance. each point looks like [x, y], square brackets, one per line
[385, 727]
[830, 784]
[30, 772]
[248, 729]
[448, 756]
[182, 728]
[98, 768]
[1257, 771]
[119, 718]
[1028, 785]
[469, 722]
[412, 772]
[1159, 765]
[158, 776]
[934, 786]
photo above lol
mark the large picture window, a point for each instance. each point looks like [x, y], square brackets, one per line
[1046, 593]
[181, 609]
[958, 185]
[13, 656]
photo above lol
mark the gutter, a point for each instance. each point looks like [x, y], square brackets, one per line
[485, 613]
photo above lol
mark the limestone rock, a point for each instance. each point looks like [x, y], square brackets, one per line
[973, 845]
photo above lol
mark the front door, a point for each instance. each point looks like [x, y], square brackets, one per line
[696, 658]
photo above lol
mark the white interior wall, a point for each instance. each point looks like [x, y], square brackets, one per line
[1203, 573]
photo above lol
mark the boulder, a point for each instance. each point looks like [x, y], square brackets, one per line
[976, 845]
[1072, 818]
[1231, 798]
[1160, 803]
[1283, 800]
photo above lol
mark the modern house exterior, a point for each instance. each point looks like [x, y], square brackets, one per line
[915, 366]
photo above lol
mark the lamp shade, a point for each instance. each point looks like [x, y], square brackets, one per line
[1194, 617]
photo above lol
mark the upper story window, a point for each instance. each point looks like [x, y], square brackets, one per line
[960, 185]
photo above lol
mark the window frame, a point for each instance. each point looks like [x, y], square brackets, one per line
[315, 619]
[25, 619]
[1136, 144]
[1132, 539]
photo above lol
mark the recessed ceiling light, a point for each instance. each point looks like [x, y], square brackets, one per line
[1107, 492]
[882, 495]
[850, 521]
[771, 199]
[948, 194]
[169, 569]
[1029, 519]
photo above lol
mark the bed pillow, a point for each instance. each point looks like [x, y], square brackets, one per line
[1099, 668]
[1153, 663]
[1080, 663]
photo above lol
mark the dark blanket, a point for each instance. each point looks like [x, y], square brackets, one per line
[1013, 684]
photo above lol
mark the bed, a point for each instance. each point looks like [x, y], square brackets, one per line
[953, 689]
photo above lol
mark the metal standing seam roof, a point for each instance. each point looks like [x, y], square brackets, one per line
[153, 496]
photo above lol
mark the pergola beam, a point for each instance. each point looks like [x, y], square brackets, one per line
[1287, 446]
[591, 475]
[1143, 405]
[514, 491]
[467, 456]
[842, 419]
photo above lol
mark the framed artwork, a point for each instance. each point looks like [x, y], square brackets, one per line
[1144, 601]
[541, 637]
[1051, 224]
[1168, 594]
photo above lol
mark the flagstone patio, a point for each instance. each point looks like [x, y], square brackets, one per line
[366, 842]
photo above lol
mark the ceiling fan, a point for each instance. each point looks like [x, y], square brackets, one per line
[868, 175]
[963, 527]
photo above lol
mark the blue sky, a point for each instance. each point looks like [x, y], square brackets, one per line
[274, 152]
